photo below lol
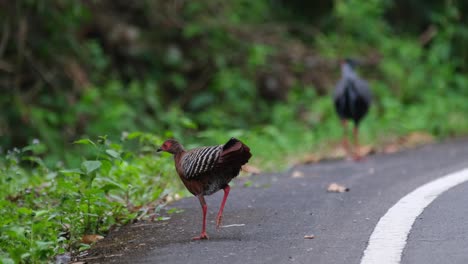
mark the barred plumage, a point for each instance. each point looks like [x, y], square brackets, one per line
[200, 160]
[206, 170]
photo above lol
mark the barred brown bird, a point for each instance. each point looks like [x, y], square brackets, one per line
[206, 170]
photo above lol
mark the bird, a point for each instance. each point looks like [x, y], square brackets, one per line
[206, 170]
[352, 98]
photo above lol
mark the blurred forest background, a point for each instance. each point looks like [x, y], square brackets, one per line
[124, 75]
[87, 68]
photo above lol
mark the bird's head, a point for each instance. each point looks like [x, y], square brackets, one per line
[350, 62]
[347, 67]
[171, 146]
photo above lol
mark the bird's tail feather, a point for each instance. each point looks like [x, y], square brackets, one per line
[234, 153]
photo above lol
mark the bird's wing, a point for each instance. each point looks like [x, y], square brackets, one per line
[363, 89]
[197, 162]
[339, 89]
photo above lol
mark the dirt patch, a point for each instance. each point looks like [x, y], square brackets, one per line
[131, 239]
[336, 151]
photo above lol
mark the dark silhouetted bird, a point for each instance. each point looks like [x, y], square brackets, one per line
[352, 99]
[206, 170]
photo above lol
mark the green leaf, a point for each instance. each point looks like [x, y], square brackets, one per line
[43, 245]
[106, 188]
[91, 165]
[37, 160]
[16, 232]
[163, 218]
[134, 135]
[113, 153]
[25, 255]
[24, 210]
[102, 140]
[188, 123]
[175, 211]
[84, 247]
[106, 167]
[6, 260]
[109, 184]
[52, 216]
[71, 171]
[40, 213]
[191, 30]
[85, 141]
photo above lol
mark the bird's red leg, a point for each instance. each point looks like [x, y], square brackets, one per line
[203, 234]
[219, 218]
[357, 153]
[345, 143]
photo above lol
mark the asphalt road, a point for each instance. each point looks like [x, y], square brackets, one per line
[440, 235]
[275, 214]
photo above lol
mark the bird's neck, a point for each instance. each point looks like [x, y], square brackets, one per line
[178, 156]
[177, 159]
[177, 148]
[178, 151]
[347, 71]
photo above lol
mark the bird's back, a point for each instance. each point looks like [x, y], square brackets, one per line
[208, 169]
[197, 161]
[352, 98]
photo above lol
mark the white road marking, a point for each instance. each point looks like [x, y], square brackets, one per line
[389, 237]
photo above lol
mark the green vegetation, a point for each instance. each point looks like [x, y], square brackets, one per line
[200, 71]
[56, 206]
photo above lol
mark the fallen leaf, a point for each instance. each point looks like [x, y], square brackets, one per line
[392, 148]
[114, 255]
[297, 174]
[248, 183]
[337, 151]
[365, 150]
[408, 141]
[89, 239]
[251, 169]
[132, 208]
[309, 237]
[335, 187]
[168, 199]
[310, 158]
[417, 138]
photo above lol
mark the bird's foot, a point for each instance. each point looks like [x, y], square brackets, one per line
[357, 154]
[219, 220]
[203, 235]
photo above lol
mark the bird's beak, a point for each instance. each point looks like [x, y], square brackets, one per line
[159, 150]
